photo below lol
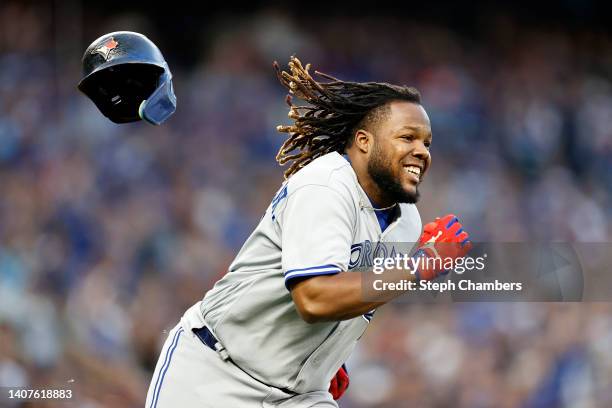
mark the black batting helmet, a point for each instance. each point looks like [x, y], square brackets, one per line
[126, 76]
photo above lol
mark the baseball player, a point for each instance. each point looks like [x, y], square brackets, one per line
[276, 330]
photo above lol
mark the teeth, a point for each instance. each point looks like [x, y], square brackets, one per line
[414, 170]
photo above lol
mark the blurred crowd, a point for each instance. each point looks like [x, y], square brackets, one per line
[109, 232]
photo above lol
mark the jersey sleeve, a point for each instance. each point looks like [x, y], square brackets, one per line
[317, 225]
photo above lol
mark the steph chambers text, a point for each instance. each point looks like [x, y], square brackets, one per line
[461, 285]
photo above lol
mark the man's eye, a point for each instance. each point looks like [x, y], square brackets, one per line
[427, 144]
[408, 137]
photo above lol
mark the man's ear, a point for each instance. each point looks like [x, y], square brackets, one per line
[363, 140]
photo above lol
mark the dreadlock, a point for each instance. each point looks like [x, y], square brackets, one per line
[335, 110]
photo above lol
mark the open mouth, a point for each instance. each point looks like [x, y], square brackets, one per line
[414, 172]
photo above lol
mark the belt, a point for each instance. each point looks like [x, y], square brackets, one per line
[205, 335]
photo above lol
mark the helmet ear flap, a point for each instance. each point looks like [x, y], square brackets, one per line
[162, 102]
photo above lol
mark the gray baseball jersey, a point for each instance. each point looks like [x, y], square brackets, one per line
[319, 223]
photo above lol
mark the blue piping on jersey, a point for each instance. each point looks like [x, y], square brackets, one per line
[311, 268]
[288, 279]
[318, 271]
[164, 367]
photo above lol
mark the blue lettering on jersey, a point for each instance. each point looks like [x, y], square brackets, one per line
[278, 198]
[363, 253]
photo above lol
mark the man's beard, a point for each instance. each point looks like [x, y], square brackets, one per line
[386, 182]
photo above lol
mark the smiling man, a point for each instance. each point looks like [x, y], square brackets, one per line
[280, 324]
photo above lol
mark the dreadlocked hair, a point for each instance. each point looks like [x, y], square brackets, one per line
[335, 110]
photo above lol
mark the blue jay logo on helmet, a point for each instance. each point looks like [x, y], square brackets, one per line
[105, 49]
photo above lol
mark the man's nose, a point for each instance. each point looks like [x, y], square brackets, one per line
[421, 151]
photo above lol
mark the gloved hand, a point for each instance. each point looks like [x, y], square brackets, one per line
[443, 238]
[339, 383]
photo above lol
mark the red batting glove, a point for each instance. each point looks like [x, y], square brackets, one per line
[444, 238]
[339, 383]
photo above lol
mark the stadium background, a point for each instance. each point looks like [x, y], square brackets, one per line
[107, 232]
